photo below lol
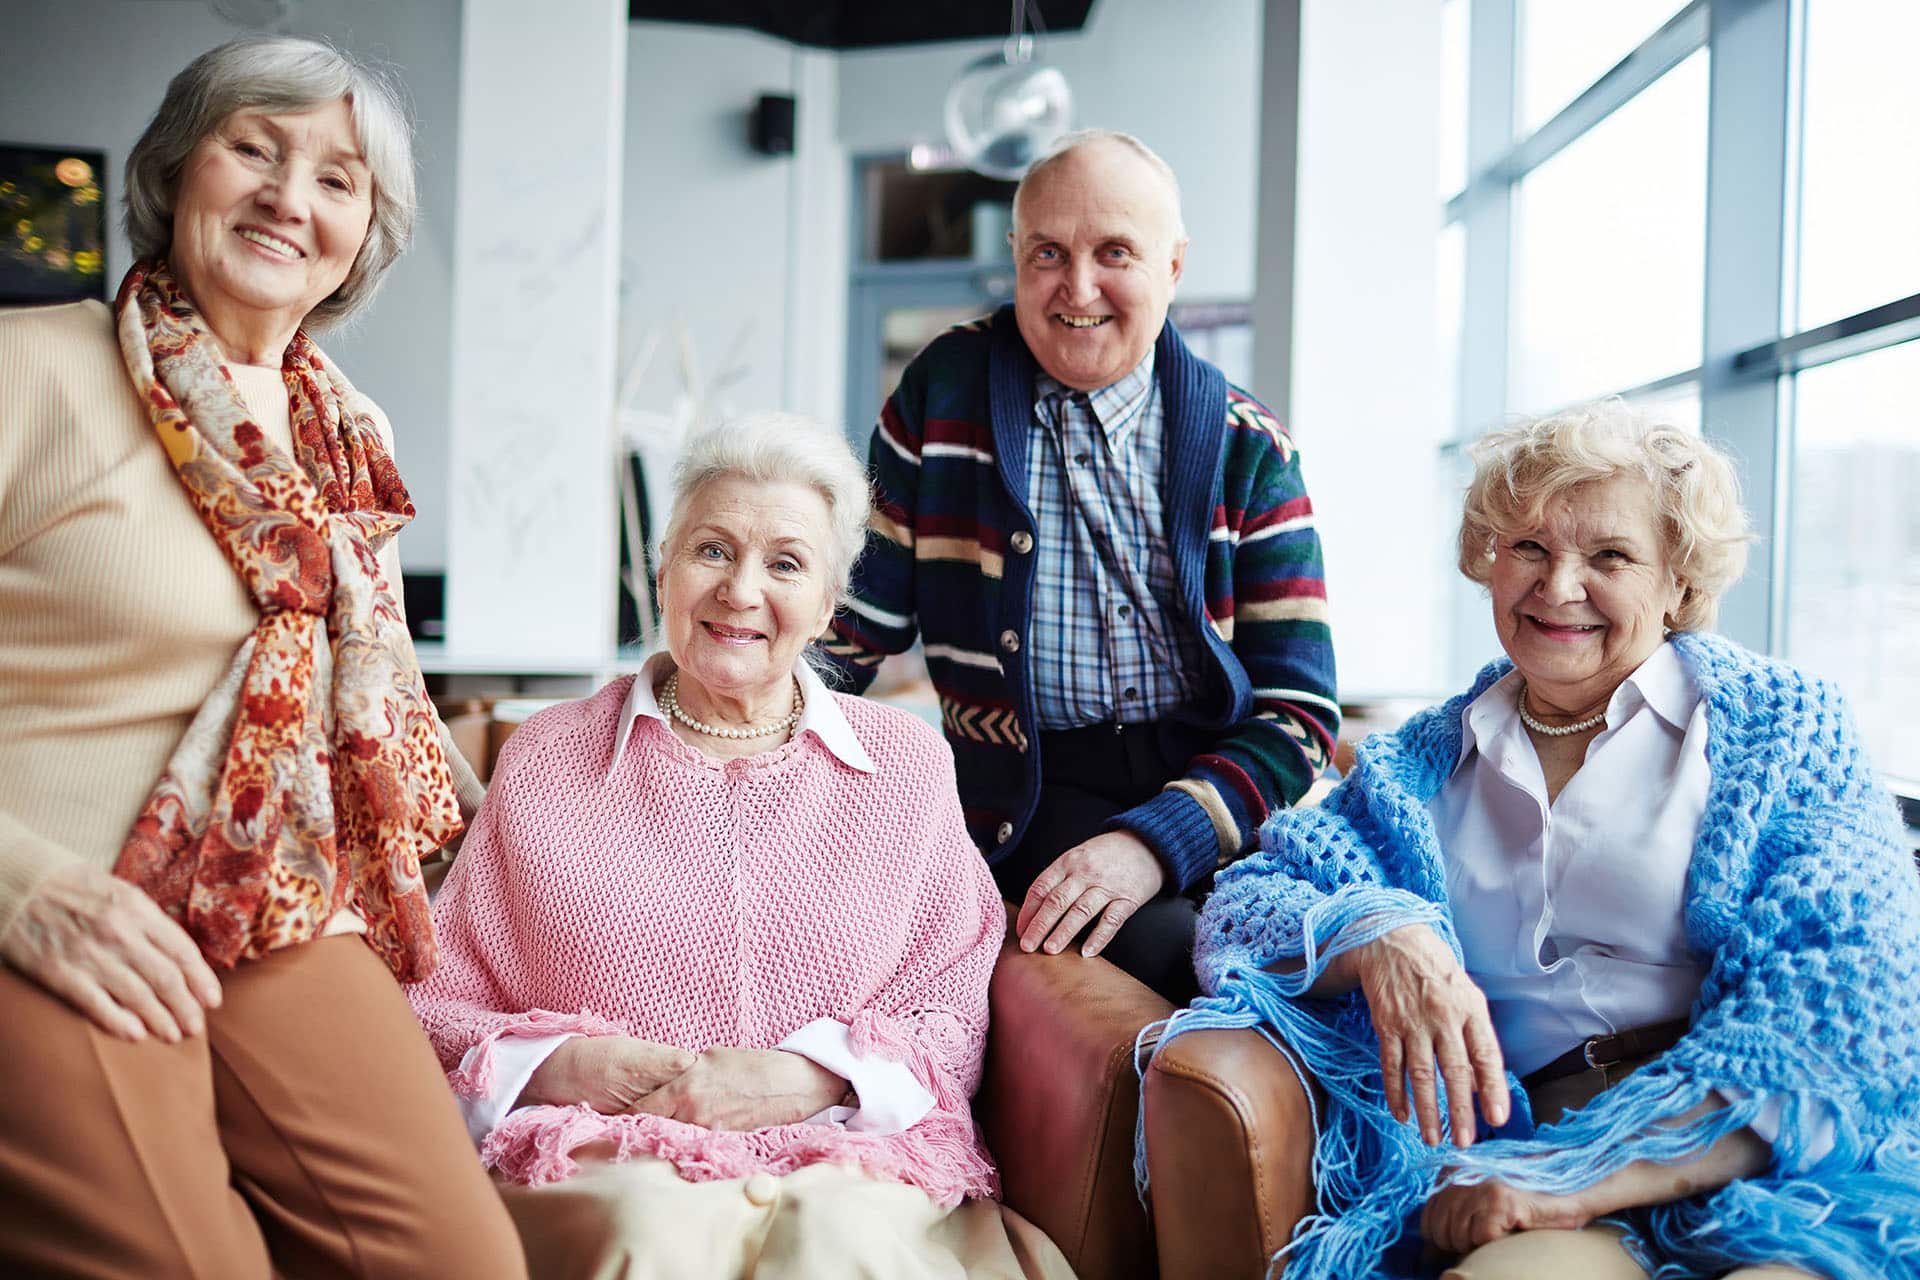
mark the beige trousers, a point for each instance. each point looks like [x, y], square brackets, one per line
[1591, 1253]
[639, 1219]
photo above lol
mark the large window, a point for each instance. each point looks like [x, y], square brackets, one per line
[1710, 209]
[1614, 221]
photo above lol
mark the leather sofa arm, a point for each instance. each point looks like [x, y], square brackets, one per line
[1058, 1101]
[1229, 1153]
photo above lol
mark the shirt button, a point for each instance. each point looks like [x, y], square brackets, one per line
[761, 1189]
[1004, 834]
[1010, 640]
[1131, 692]
[1022, 541]
[1125, 611]
[1080, 459]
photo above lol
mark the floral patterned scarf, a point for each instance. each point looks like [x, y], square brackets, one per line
[313, 774]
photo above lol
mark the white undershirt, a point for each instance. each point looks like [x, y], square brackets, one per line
[1570, 914]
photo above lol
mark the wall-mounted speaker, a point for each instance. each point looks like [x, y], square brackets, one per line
[771, 126]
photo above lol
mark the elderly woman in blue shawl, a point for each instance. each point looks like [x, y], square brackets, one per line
[1609, 966]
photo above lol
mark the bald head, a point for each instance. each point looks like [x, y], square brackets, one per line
[1097, 250]
[1120, 155]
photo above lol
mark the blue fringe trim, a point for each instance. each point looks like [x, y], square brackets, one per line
[1357, 1147]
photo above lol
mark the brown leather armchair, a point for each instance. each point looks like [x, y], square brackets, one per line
[1229, 1138]
[1229, 1154]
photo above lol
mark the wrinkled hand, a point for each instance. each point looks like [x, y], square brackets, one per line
[608, 1073]
[728, 1088]
[1110, 876]
[107, 949]
[1426, 1011]
[1459, 1219]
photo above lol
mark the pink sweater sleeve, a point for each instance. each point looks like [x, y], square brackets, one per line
[465, 1005]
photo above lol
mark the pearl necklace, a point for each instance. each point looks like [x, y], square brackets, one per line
[670, 703]
[1563, 730]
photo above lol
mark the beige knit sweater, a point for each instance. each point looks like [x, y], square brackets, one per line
[118, 613]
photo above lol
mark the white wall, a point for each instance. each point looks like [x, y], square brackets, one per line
[530, 574]
[1367, 406]
[89, 73]
[704, 227]
[1183, 77]
[743, 252]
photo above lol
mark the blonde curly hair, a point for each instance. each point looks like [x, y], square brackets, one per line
[1518, 470]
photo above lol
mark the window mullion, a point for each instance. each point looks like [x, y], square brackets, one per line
[1747, 168]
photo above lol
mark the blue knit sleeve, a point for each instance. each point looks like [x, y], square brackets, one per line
[1314, 891]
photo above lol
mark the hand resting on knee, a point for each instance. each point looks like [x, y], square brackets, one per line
[107, 949]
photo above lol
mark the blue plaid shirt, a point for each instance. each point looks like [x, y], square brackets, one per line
[1104, 640]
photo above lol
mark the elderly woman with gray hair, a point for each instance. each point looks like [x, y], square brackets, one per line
[219, 769]
[714, 994]
[1637, 893]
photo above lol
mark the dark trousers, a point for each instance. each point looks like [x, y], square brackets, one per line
[1088, 776]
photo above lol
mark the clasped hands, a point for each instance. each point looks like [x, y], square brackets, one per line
[721, 1088]
[1433, 1025]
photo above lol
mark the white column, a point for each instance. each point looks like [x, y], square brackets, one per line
[817, 256]
[531, 538]
[1279, 196]
[1365, 398]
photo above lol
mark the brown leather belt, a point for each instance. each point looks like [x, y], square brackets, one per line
[1610, 1051]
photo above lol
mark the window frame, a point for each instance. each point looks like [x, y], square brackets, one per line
[1751, 347]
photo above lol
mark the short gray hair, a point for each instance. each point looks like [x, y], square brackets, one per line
[280, 73]
[1079, 138]
[772, 448]
[1519, 469]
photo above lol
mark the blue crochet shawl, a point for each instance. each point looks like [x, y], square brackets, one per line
[1801, 893]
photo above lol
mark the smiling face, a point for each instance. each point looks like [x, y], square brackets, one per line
[1580, 600]
[1097, 253]
[271, 211]
[744, 588]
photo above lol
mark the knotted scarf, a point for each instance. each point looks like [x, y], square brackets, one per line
[313, 774]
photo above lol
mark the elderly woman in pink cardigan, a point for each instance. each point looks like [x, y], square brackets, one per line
[714, 960]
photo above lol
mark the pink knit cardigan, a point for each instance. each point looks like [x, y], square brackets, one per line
[698, 902]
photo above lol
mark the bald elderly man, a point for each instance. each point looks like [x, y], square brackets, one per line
[1111, 558]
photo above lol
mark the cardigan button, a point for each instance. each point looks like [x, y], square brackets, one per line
[1004, 834]
[1010, 640]
[761, 1190]
[1021, 541]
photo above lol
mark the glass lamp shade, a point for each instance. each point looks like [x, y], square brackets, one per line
[1002, 116]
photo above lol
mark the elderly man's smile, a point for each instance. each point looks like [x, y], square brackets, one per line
[1082, 322]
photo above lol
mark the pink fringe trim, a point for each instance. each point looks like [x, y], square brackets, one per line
[941, 1155]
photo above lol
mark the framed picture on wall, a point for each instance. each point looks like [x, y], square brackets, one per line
[53, 224]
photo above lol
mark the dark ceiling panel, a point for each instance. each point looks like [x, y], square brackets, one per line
[862, 24]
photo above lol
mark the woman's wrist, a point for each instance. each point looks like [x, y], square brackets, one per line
[818, 1083]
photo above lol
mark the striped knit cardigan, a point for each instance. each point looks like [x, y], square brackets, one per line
[950, 556]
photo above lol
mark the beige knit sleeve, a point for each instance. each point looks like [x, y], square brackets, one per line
[26, 858]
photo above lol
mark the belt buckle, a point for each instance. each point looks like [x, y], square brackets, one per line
[1586, 1052]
